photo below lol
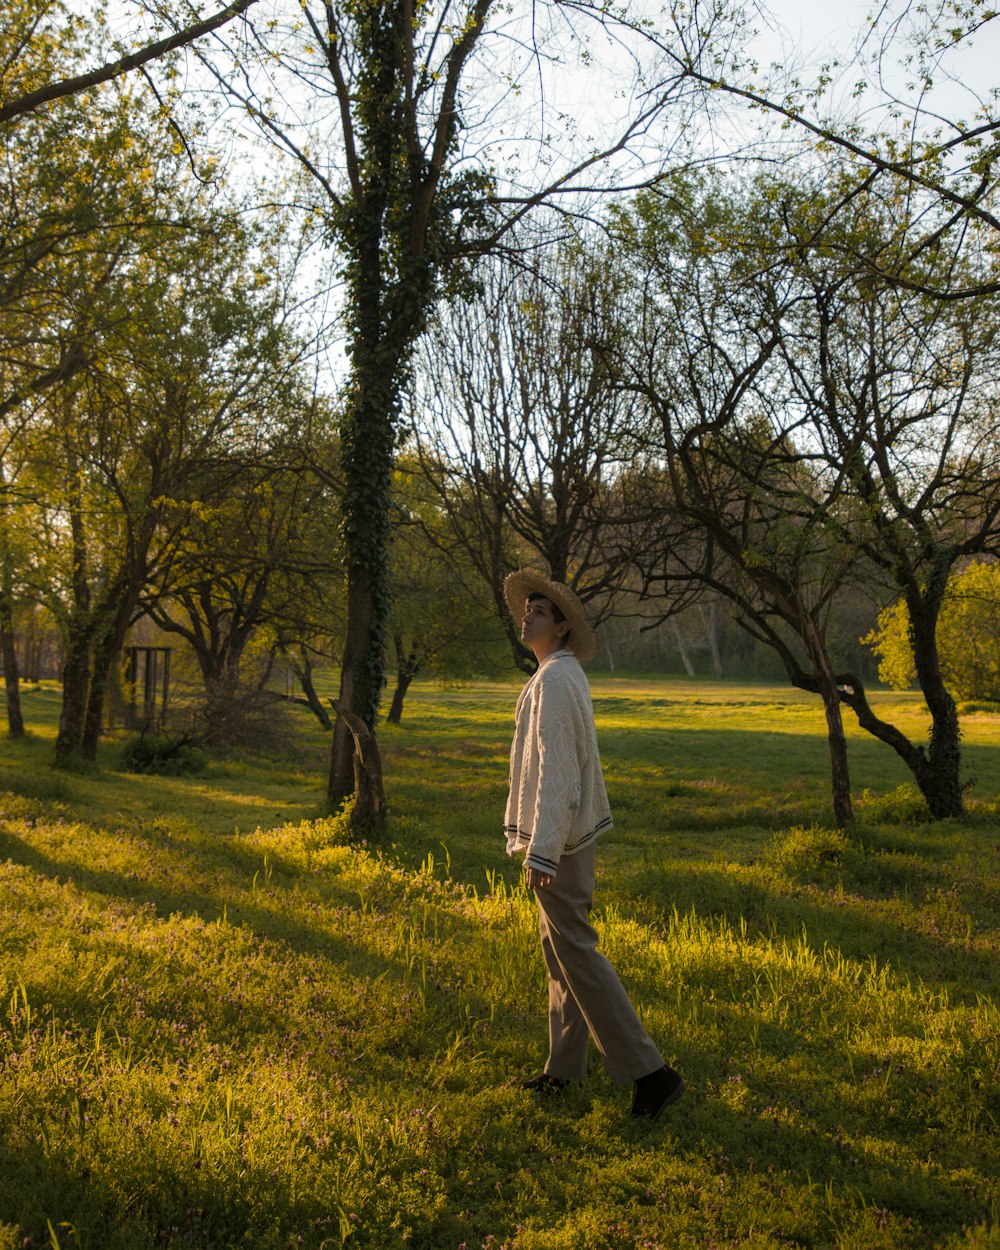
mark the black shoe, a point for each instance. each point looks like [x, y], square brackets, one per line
[543, 1083]
[654, 1092]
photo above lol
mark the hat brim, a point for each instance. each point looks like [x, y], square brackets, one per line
[519, 585]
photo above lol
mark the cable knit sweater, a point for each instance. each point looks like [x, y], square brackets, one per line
[557, 802]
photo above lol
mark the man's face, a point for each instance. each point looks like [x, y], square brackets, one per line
[539, 627]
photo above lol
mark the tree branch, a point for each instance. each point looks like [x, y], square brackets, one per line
[114, 69]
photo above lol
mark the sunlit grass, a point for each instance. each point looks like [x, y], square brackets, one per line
[266, 1038]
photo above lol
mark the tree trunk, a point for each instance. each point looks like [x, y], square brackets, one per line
[8, 650]
[368, 441]
[840, 776]
[939, 776]
[398, 695]
[76, 685]
[105, 656]
[221, 692]
[710, 623]
[368, 813]
[407, 667]
[76, 660]
[822, 681]
[357, 671]
[679, 639]
[93, 720]
[32, 641]
[829, 692]
[11, 674]
[115, 614]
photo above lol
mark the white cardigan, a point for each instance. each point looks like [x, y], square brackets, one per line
[557, 802]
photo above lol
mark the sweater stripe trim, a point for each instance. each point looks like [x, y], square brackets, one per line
[598, 828]
[539, 861]
[523, 840]
[587, 837]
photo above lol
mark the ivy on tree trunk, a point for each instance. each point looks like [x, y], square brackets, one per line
[397, 233]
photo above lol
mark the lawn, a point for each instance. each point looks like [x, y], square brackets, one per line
[222, 1027]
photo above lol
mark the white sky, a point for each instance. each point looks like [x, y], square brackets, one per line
[815, 31]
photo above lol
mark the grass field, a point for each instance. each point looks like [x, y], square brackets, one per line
[220, 1027]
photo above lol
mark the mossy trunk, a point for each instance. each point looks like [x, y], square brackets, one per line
[361, 673]
[368, 445]
[397, 241]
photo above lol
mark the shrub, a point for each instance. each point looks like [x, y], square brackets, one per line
[903, 806]
[164, 756]
[332, 830]
[803, 849]
[249, 719]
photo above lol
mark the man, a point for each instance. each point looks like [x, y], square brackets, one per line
[556, 809]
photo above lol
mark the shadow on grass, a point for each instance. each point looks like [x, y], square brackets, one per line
[849, 923]
[781, 1140]
[231, 793]
[347, 957]
[153, 1197]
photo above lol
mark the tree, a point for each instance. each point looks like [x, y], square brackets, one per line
[939, 169]
[83, 193]
[968, 631]
[897, 389]
[188, 362]
[522, 435]
[743, 514]
[8, 650]
[64, 180]
[816, 432]
[408, 205]
[251, 573]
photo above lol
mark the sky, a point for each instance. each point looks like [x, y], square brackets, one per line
[814, 29]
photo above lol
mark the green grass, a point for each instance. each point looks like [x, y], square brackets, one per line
[220, 1027]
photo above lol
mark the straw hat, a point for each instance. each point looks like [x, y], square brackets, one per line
[519, 585]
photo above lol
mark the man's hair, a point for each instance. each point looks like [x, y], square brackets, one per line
[557, 615]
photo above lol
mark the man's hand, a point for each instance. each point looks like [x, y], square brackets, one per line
[538, 880]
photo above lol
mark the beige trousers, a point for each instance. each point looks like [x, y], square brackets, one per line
[585, 996]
